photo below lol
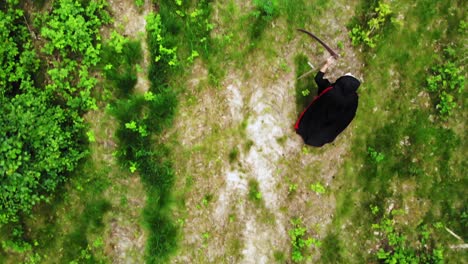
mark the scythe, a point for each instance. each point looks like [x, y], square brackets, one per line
[334, 54]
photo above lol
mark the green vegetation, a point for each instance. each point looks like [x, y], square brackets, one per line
[265, 11]
[375, 156]
[43, 128]
[119, 63]
[72, 31]
[300, 241]
[279, 256]
[254, 191]
[368, 34]
[139, 3]
[292, 188]
[402, 156]
[233, 155]
[45, 91]
[318, 188]
[395, 247]
[140, 116]
[446, 82]
[332, 249]
[31, 171]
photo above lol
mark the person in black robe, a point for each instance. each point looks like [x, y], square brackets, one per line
[331, 111]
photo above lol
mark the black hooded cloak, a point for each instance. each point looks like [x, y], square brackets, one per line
[330, 112]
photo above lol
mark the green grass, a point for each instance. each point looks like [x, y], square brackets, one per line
[233, 155]
[264, 12]
[393, 119]
[332, 247]
[279, 256]
[71, 222]
[123, 72]
[301, 13]
[150, 160]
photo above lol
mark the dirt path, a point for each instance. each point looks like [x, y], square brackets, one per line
[253, 115]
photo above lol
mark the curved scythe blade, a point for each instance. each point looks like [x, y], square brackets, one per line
[334, 54]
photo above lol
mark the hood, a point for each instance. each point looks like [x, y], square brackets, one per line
[347, 84]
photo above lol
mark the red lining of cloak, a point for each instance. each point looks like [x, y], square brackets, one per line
[296, 126]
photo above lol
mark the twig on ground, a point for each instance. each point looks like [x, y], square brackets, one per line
[309, 72]
[453, 234]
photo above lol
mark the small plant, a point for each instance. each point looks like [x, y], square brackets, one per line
[279, 256]
[206, 236]
[266, 9]
[193, 56]
[376, 157]
[233, 155]
[91, 136]
[292, 188]
[438, 225]
[123, 200]
[180, 222]
[305, 92]
[139, 3]
[284, 66]
[149, 96]
[108, 67]
[446, 81]
[462, 27]
[374, 209]
[264, 13]
[232, 218]
[340, 45]
[254, 191]
[158, 41]
[117, 41]
[318, 188]
[248, 145]
[446, 104]
[133, 166]
[87, 253]
[141, 129]
[368, 34]
[207, 199]
[17, 243]
[299, 240]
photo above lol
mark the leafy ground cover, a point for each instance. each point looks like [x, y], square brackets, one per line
[45, 92]
[414, 155]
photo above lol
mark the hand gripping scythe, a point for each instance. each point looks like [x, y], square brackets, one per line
[333, 53]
